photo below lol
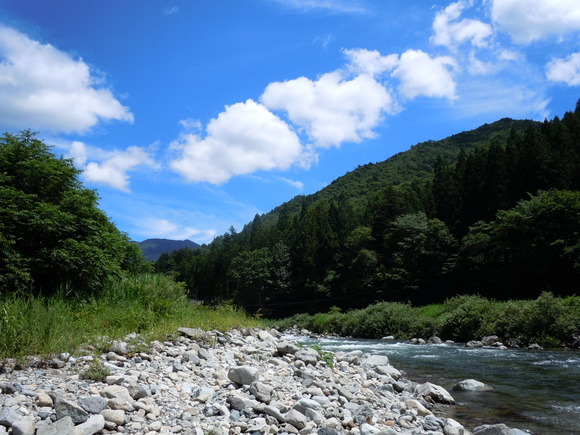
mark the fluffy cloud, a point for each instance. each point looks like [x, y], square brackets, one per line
[114, 166]
[44, 88]
[449, 31]
[332, 109]
[245, 138]
[530, 20]
[422, 75]
[370, 62]
[164, 228]
[565, 70]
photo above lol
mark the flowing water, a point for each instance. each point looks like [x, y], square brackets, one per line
[534, 390]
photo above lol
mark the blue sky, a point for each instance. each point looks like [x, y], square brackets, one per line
[189, 116]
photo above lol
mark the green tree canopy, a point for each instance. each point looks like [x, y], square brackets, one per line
[52, 233]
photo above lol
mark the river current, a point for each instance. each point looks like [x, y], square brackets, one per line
[534, 390]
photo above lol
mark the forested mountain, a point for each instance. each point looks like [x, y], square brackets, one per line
[153, 248]
[494, 211]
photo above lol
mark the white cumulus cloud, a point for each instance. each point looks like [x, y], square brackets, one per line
[530, 20]
[164, 228]
[450, 31]
[565, 70]
[370, 62]
[422, 75]
[114, 166]
[332, 109]
[44, 88]
[245, 138]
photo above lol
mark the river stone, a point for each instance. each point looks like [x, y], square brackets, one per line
[137, 391]
[376, 360]
[296, 419]
[94, 424]
[363, 415]
[93, 404]
[474, 344]
[435, 340]
[23, 426]
[435, 392]
[115, 416]
[64, 407]
[8, 416]
[265, 336]
[489, 340]
[327, 431]
[243, 375]
[418, 406]
[236, 403]
[274, 412]
[433, 423]
[471, 385]
[368, 429]
[261, 391]
[389, 370]
[64, 426]
[453, 428]
[43, 399]
[492, 429]
[117, 392]
[285, 347]
[194, 333]
[119, 347]
[307, 355]
[352, 357]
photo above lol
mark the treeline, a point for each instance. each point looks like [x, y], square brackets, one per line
[501, 220]
[68, 276]
[53, 236]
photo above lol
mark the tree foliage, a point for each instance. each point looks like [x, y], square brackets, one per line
[492, 211]
[52, 233]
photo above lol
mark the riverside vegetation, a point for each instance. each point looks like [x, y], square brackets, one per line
[548, 320]
[493, 211]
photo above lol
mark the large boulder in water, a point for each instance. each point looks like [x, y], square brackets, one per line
[434, 392]
[492, 429]
[471, 385]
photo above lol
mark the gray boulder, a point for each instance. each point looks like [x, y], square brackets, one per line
[376, 360]
[66, 408]
[474, 344]
[243, 375]
[261, 391]
[94, 424]
[307, 355]
[284, 347]
[93, 404]
[492, 429]
[296, 419]
[489, 340]
[434, 392]
[471, 385]
[64, 426]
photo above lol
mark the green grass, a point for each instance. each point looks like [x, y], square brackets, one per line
[152, 305]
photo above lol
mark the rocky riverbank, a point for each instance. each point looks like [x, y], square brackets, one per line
[209, 383]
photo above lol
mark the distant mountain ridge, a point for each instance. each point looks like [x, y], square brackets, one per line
[153, 248]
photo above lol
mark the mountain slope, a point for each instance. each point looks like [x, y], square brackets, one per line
[406, 167]
[153, 248]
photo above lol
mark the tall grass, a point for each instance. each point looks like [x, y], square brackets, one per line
[548, 320]
[152, 305]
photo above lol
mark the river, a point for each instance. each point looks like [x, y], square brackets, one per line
[534, 390]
